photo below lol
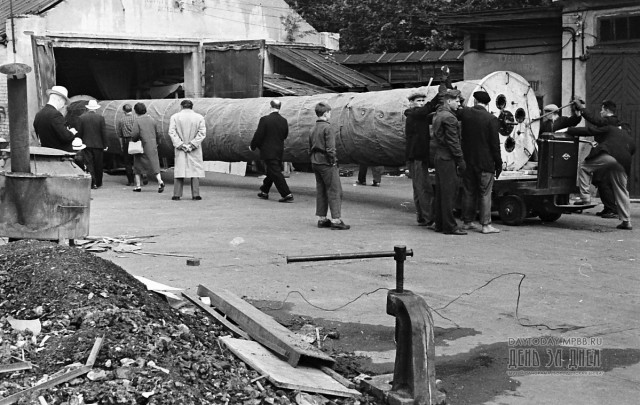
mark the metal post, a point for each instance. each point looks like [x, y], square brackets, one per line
[400, 256]
[18, 120]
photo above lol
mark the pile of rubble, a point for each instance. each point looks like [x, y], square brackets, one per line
[150, 353]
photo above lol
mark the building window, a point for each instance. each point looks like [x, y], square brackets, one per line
[478, 42]
[623, 28]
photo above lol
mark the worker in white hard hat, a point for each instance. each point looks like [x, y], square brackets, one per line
[49, 123]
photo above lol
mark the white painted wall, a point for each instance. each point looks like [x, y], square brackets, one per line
[213, 20]
[157, 20]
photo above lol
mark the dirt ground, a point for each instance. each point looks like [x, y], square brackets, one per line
[582, 281]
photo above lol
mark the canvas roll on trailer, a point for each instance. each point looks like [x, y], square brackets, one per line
[370, 126]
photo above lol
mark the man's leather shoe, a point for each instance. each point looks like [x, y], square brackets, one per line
[287, 198]
[469, 225]
[174, 198]
[264, 196]
[324, 223]
[609, 215]
[625, 225]
[94, 187]
[456, 231]
[340, 226]
[197, 198]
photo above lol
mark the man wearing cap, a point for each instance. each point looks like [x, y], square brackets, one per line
[93, 132]
[612, 155]
[272, 130]
[602, 180]
[417, 155]
[449, 162]
[481, 150]
[552, 121]
[49, 124]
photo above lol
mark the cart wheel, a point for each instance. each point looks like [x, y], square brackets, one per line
[512, 210]
[549, 216]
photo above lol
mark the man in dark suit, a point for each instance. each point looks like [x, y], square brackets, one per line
[611, 155]
[449, 162]
[272, 130]
[417, 155]
[49, 123]
[481, 150]
[92, 130]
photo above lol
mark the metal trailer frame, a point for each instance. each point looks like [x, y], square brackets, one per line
[548, 194]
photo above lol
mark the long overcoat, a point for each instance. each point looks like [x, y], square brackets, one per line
[145, 130]
[187, 127]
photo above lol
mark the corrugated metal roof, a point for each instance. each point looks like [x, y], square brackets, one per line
[288, 86]
[23, 7]
[400, 57]
[325, 68]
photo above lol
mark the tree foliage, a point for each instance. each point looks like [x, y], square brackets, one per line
[395, 25]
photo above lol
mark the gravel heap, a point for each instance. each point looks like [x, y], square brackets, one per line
[78, 297]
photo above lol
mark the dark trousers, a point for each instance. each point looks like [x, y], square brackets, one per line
[274, 174]
[178, 184]
[376, 172]
[447, 183]
[422, 190]
[127, 159]
[603, 182]
[93, 160]
[328, 191]
[477, 187]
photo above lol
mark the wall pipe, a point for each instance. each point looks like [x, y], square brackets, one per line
[572, 31]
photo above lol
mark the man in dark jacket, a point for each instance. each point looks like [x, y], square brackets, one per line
[602, 179]
[417, 155]
[448, 161]
[92, 130]
[613, 155]
[272, 130]
[49, 123]
[552, 121]
[481, 150]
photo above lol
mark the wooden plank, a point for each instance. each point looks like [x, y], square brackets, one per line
[282, 374]
[264, 328]
[339, 378]
[12, 399]
[94, 352]
[233, 328]
[8, 368]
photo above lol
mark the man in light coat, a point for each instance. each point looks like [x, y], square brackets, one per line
[187, 131]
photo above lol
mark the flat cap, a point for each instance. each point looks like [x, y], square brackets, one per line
[416, 94]
[550, 108]
[451, 93]
[482, 96]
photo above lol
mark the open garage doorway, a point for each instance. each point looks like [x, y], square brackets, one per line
[120, 75]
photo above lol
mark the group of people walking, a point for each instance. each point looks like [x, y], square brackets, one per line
[461, 143]
[269, 137]
[89, 141]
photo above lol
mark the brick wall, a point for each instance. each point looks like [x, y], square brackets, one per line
[4, 119]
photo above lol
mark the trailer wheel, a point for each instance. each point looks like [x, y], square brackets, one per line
[512, 210]
[550, 216]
